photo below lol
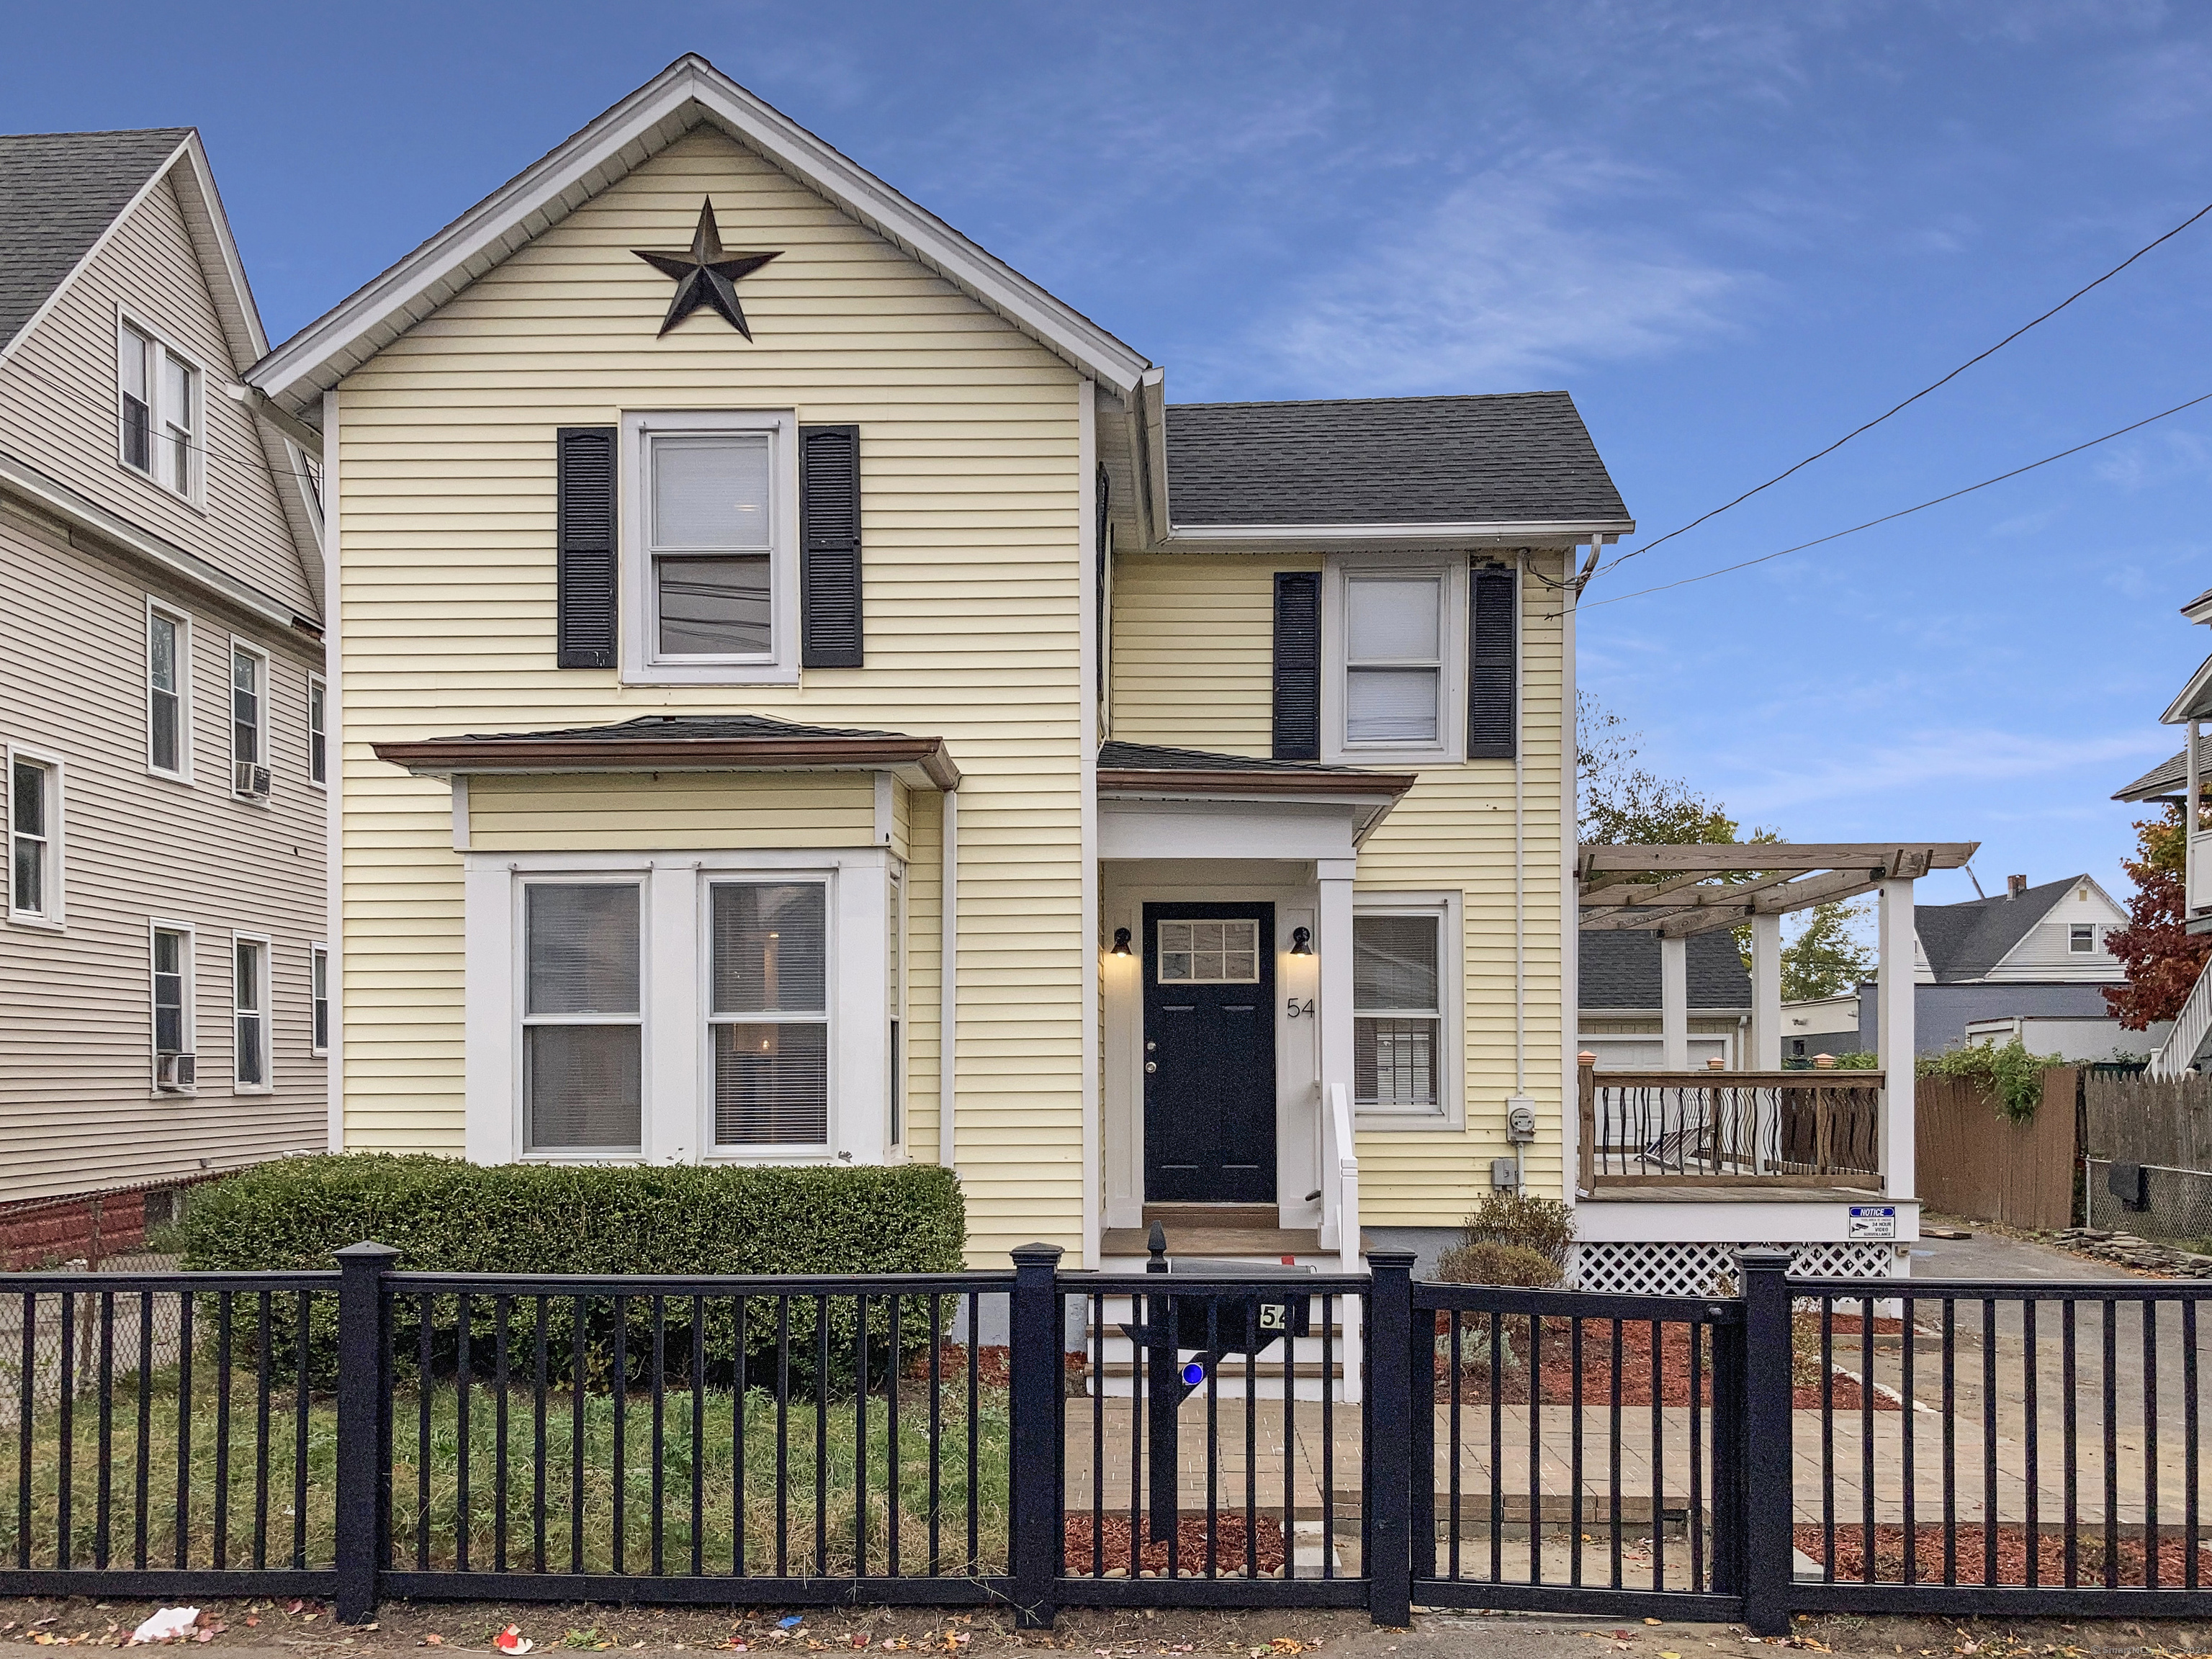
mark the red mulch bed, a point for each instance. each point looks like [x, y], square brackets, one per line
[1556, 1365]
[2012, 1556]
[1190, 1545]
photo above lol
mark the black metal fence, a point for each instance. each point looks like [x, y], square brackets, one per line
[1041, 1440]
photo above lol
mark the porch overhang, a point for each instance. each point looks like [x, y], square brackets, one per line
[1213, 806]
[681, 742]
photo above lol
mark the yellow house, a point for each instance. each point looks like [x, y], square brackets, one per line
[806, 696]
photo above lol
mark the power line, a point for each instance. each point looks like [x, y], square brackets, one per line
[1916, 397]
[1902, 512]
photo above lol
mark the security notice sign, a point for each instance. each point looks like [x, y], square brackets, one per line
[1873, 1221]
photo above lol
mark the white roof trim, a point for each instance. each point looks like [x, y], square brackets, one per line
[1333, 536]
[2195, 702]
[690, 91]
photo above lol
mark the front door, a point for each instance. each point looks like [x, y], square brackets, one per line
[1209, 1066]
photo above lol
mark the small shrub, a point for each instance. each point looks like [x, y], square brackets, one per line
[1483, 1262]
[2009, 1073]
[1544, 1225]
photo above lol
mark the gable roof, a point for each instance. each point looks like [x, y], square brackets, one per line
[1504, 459]
[59, 191]
[2164, 781]
[1621, 970]
[1964, 941]
[688, 93]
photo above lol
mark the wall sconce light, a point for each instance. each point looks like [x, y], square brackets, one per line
[1120, 942]
[1301, 941]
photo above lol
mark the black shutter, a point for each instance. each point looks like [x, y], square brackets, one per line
[830, 546]
[1297, 665]
[585, 541]
[1490, 633]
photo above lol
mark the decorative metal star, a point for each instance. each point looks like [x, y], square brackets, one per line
[705, 276]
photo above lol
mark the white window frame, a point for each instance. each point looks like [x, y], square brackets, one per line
[181, 620]
[1447, 908]
[319, 733]
[188, 1017]
[1451, 576]
[2087, 932]
[676, 992]
[318, 999]
[54, 916]
[266, 1010]
[766, 1152]
[524, 1020]
[241, 646]
[642, 662]
[159, 415]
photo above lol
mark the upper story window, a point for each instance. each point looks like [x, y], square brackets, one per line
[158, 410]
[168, 692]
[249, 720]
[34, 839]
[1395, 643]
[319, 737]
[249, 993]
[710, 549]
[2081, 939]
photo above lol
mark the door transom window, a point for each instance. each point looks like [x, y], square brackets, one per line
[1225, 952]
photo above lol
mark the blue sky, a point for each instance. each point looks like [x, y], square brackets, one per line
[1732, 231]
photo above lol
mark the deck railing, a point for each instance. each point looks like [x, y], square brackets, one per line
[1731, 1128]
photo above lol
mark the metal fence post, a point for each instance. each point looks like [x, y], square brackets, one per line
[1391, 1406]
[364, 1397]
[1764, 1460]
[1036, 1369]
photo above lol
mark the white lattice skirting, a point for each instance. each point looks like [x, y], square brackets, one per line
[1681, 1269]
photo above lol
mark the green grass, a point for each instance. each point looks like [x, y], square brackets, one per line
[429, 1524]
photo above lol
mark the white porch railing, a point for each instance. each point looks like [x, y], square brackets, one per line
[2197, 871]
[2177, 1052]
[1703, 1129]
[1340, 1180]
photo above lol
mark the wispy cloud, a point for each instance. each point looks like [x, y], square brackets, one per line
[1947, 758]
[1518, 274]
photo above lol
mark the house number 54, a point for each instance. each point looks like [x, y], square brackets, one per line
[1301, 1010]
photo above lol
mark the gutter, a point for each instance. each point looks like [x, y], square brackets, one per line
[442, 756]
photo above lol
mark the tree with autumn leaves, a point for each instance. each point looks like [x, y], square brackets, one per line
[2162, 958]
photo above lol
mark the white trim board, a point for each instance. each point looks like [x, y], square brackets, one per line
[689, 93]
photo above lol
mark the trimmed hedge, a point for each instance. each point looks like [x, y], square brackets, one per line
[446, 1216]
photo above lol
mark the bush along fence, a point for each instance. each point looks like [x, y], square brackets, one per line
[1040, 1439]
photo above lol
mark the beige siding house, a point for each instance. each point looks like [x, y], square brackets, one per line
[161, 704]
[802, 694]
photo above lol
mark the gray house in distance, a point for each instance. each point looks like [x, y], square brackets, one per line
[1620, 1013]
[2032, 958]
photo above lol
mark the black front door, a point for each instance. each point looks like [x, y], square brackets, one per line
[1209, 1066]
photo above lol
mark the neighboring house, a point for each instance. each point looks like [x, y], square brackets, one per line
[2181, 781]
[2034, 953]
[162, 958]
[1620, 1017]
[1820, 1025]
[809, 698]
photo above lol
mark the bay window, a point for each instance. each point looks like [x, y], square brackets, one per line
[770, 1013]
[581, 1016]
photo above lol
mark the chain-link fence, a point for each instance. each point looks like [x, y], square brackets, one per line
[2176, 1207]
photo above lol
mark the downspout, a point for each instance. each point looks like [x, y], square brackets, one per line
[1520, 886]
[948, 990]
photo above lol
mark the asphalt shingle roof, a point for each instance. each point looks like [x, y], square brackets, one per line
[2167, 778]
[676, 728]
[1964, 941]
[1515, 456]
[58, 191]
[1620, 969]
[1152, 757]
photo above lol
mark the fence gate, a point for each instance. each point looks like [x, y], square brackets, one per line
[1575, 1453]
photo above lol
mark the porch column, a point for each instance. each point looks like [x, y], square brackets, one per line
[1893, 994]
[1766, 993]
[1674, 1003]
[1333, 954]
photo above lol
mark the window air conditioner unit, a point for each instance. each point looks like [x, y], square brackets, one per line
[172, 1072]
[248, 779]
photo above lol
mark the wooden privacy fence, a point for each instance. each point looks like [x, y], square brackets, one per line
[2136, 1119]
[1975, 1162]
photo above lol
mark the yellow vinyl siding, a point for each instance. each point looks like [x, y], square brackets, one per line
[1193, 665]
[971, 496]
[705, 811]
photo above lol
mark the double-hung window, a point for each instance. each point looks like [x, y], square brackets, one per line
[582, 1014]
[710, 564]
[168, 693]
[1395, 662]
[2081, 939]
[768, 1013]
[34, 839]
[249, 720]
[158, 409]
[172, 988]
[1401, 1060]
[319, 741]
[318, 999]
[249, 1003]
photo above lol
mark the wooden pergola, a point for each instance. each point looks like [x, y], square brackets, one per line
[1676, 890]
